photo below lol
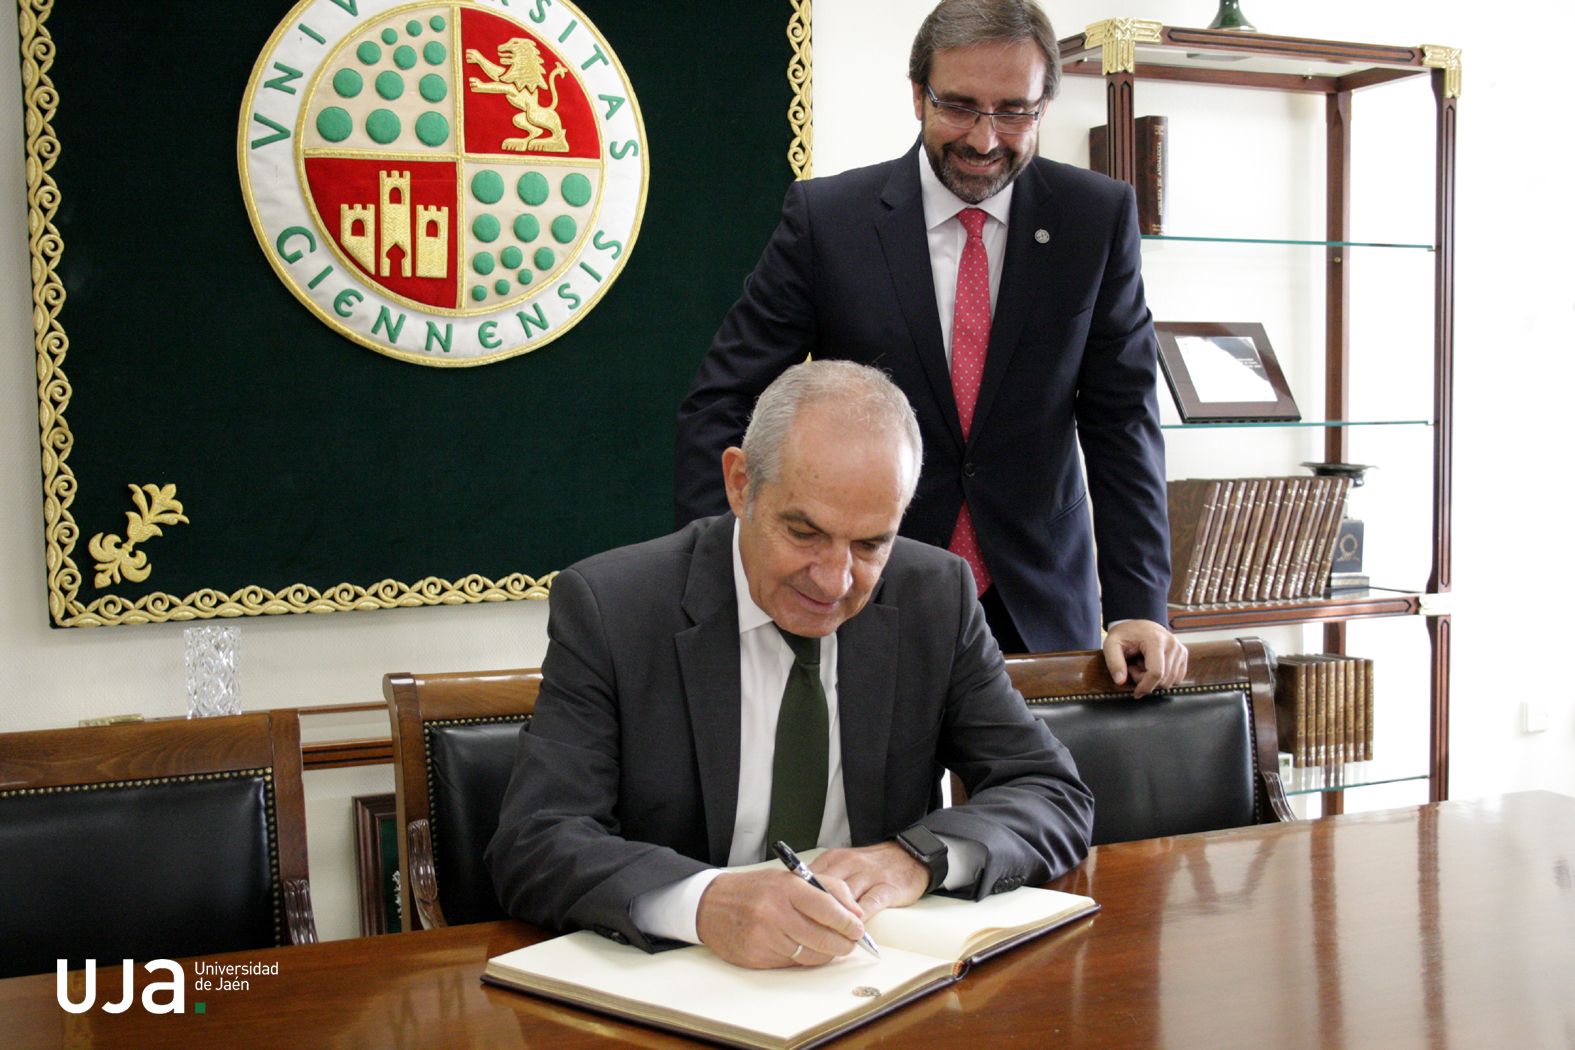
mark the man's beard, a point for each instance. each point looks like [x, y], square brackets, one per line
[975, 188]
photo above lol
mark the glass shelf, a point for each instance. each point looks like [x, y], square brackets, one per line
[1311, 780]
[1356, 604]
[1162, 237]
[1300, 423]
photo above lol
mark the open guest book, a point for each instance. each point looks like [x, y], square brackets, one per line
[925, 946]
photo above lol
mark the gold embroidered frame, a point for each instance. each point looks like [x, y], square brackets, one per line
[61, 533]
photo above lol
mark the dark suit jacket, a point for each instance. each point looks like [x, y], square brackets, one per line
[627, 779]
[1071, 357]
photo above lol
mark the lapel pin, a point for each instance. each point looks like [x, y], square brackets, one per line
[1042, 236]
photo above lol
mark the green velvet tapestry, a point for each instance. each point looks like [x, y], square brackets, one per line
[213, 447]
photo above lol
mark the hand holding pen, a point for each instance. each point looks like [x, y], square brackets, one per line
[790, 860]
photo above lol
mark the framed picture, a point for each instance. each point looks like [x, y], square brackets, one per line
[1223, 372]
[377, 863]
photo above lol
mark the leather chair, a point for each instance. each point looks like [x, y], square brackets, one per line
[454, 741]
[152, 840]
[1201, 757]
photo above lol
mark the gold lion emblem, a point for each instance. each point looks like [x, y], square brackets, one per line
[521, 78]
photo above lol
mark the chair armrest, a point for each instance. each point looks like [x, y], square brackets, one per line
[423, 890]
[299, 921]
[1274, 790]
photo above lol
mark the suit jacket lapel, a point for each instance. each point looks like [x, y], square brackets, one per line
[906, 246]
[1025, 277]
[708, 665]
[866, 697]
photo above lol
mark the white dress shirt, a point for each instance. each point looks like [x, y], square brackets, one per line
[947, 237]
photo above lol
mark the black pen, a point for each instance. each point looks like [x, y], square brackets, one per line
[786, 855]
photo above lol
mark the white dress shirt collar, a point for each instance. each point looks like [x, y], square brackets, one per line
[941, 203]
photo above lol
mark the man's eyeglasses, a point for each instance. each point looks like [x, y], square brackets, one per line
[963, 118]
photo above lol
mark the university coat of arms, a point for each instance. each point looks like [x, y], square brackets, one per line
[445, 183]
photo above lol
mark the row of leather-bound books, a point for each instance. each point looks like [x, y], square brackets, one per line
[1252, 539]
[1323, 704]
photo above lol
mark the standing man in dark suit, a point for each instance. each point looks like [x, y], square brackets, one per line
[791, 670]
[1003, 294]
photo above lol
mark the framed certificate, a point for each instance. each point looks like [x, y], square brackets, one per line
[1223, 372]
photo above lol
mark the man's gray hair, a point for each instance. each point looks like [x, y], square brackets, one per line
[860, 398]
[961, 23]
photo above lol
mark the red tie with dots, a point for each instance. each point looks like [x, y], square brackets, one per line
[970, 340]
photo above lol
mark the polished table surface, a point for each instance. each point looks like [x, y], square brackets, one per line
[1450, 925]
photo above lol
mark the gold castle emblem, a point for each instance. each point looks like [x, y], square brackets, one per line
[393, 213]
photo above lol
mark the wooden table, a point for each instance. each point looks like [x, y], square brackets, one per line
[1446, 925]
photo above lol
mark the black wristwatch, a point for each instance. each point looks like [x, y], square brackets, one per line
[923, 846]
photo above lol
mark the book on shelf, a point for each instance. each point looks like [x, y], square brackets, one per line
[1253, 539]
[1323, 706]
[1367, 709]
[1229, 530]
[1152, 167]
[1192, 504]
[1260, 550]
[925, 946]
[1238, 541]
[1290, 710]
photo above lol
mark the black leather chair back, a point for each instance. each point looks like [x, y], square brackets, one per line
[1167, 764]
[1201, 757]
[152, 840]
[468, 766]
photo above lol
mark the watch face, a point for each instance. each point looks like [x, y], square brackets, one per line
[923, 843]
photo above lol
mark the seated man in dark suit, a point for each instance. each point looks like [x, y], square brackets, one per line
[792, 670]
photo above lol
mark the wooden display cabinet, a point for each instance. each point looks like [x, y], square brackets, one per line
[1126, 53]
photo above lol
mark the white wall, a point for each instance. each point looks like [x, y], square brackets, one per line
[1516, 297]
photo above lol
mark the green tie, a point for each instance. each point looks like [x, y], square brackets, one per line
[798, 766]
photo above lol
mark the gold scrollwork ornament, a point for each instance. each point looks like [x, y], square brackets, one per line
[116, 559]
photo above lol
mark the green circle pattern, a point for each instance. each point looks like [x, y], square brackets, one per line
[390, 85]
[486, 229]
[348, 83]
[434, 88]
[382, 126]
[390, 35]
[432, 129]
[534, 190]
[576, 189]
[438, 23]
[405, 56]
[412, 28]
[435, 53]
[487, 187]
[368, 54]
[334, 124]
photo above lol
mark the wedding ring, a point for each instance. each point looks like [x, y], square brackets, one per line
[796, 949]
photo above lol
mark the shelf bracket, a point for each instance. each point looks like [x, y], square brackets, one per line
[1117, 40]
[1436, 56]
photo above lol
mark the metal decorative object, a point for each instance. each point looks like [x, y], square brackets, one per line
[1230, 16]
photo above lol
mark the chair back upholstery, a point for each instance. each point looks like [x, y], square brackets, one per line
[1200, 757]
[454, 740]
[152, 840]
